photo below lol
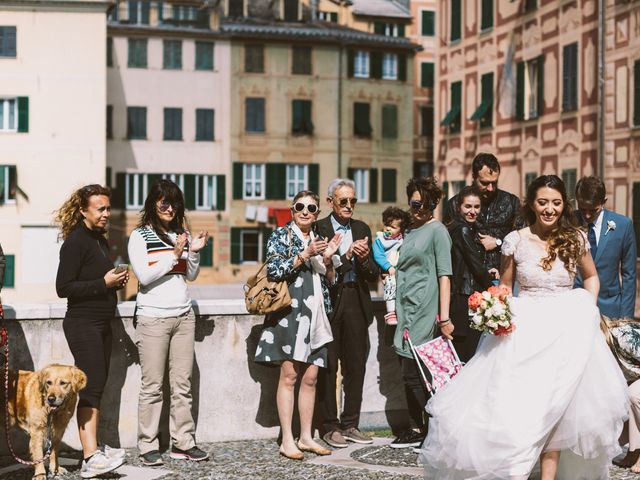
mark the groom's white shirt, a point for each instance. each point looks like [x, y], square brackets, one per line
[597, 227]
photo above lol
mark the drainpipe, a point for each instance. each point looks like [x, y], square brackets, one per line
[601, 86]
[340, 59]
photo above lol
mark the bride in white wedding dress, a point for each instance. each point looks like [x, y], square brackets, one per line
[550, 392]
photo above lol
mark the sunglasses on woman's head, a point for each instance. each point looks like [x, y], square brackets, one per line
[343, 202]
[311, 208]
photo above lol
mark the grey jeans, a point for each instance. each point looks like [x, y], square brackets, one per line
[159, 339]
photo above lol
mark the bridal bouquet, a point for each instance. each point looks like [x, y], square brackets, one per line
[489, 311]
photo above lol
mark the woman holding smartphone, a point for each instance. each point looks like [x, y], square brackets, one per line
[87, 279]
[164, 256]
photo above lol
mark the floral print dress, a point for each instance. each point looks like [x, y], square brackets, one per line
[286, 334]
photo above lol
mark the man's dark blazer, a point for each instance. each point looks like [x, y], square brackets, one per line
[366, 272]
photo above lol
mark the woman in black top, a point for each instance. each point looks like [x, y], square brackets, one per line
[469, 271]
[87, 279]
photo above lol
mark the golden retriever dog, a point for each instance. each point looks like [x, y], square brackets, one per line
[33, 397]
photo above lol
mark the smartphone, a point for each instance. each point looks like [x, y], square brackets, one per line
[122, 267]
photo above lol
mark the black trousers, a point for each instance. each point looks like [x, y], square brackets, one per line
[350, 346]
[465, 338]
[415, 391]
[90, 343]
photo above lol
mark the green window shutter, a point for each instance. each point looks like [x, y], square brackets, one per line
[221, 192]
[266, 233]
[206, 254]
[109, 52]
[153, 178]
[389, 121]
[296, 117]
[236, 234]
[373, 185]
[445, 190]
[487, 14]
[487, 100]
[361, 122]
[456, 106]
[119, 192]
[636, 93]
[402, 30]
[108, 177]
[428, 23]
[402, 67]
[456, 20]
[351, 173]
[389, 185]
[23, 114]
[569, 177]
[376, 64]
[427, 79]
[520, 91]
[540, 85]
[9, 280]
[636, 210]
[276, 181]
[314, 177]
[238, 180]
[190, 192]
[528, 180]
[378, 28]
[350, 63]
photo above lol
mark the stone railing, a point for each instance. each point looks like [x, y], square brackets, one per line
[233, 397]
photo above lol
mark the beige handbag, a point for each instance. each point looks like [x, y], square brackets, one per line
[262, 295]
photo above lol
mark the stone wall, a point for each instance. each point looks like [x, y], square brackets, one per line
[234, 398]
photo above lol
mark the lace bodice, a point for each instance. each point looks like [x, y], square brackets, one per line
[527, 253]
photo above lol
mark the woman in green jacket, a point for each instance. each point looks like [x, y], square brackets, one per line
[423, 292]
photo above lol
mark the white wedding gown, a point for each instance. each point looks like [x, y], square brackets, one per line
[551, 385]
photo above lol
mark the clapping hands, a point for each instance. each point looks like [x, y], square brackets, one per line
[199, 241]
[332, 246]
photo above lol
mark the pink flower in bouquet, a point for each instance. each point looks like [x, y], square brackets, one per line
[475, 300]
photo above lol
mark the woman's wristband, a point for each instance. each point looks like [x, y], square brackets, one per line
[443, 322]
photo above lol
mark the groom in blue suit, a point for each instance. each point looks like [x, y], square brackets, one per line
[613, 247]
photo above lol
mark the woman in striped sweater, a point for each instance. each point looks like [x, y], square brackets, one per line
[164, 255]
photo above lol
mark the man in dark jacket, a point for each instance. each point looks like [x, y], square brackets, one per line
[352, 315]
[499, 208]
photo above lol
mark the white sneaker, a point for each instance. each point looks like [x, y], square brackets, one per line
[98, 464]
[114, 452]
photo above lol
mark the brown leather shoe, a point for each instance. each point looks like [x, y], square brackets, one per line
[335, 439]
[317, 450]
[353, 434]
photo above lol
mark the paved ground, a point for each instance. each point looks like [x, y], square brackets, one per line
[259, 460]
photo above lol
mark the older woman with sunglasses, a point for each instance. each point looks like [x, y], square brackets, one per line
[423, 293]
[164, 255]
[296, 337]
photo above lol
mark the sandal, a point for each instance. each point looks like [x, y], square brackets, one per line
[317, 450]
[292, 456]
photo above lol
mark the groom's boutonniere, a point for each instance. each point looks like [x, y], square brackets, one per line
[611, 225]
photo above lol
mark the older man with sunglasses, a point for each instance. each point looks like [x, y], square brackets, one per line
[352, 315]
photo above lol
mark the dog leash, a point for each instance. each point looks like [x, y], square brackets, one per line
[4, 341]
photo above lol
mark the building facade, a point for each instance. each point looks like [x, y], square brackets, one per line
[518, 79]
[312, 101]
[423, 32]
[52, 121]
[168, 110]
[622, 109]
[296, 96]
